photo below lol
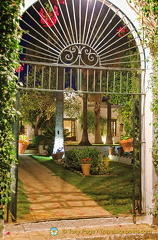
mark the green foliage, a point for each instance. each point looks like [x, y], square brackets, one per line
[104, 164]
[72, 104]
[154, 108]
[125, 102]
[73, 158]
[37, 107]
[9, 41]
[23, 138]
[90, 122]
[23, 204]
[148, 15]
[125, 114]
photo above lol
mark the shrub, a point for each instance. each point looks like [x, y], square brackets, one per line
[73, 158]
[104, 164]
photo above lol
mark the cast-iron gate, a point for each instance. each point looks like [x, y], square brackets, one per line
[83, 46]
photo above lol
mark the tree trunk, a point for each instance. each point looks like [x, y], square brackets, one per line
[84, 140]
[98, 138]
[59, 131]
[109, 134]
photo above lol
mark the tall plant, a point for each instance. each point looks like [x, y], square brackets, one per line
[148, 15]
[9, 42]
[125, 111]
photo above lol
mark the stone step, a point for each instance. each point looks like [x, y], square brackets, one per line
[31, 151]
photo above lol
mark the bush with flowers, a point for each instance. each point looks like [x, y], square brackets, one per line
[86, 160]
[75, 157]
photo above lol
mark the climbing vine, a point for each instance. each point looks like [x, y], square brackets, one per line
[10, 33]
[147, 11]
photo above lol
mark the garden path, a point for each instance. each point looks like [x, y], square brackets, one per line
[52, 197]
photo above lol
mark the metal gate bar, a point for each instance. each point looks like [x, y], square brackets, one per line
[43, 77]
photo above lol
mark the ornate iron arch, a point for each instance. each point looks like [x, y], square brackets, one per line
[54, 27]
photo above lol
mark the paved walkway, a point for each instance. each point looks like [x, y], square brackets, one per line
[51, 197]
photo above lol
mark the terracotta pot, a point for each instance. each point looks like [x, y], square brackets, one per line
[59, 155]
[22, 147]
[127, 145]
[86, 168]
[54, 156]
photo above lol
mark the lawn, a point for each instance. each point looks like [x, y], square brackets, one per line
[23, 205]
[112, 191]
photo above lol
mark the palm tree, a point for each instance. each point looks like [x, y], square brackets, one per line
[109, 134]
[96, 98]
[97, 102]
[84, 140]
[59, 131]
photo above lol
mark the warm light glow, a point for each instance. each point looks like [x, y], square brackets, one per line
[104, 139]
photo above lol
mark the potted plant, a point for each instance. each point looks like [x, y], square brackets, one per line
[22, 143]
[126, 143]
[59, 153]
[86, 165]
[126, 140]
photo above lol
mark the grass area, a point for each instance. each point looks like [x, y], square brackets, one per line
[113, 191]
[23, 205]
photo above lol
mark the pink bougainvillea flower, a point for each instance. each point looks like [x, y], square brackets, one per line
[19, 69]
[8, 233]
[133, 43]
[122, 31]
[60, 2]
[49, 19]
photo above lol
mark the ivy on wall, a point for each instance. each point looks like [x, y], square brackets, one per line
[147, 13]
[10, 34]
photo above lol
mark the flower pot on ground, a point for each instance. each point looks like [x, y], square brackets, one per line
[127, 144]
[54, 156]
[86, 169]
[59, 155]
[86, 165]
[22, 147]
[22, 144]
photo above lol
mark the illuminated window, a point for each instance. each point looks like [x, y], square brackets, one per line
[69, 126]
[113, 127]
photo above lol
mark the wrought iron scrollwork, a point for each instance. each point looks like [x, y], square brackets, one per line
[79, 54]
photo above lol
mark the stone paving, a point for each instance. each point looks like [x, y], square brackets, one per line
[51, 197]
[53, 201]
[82, 229]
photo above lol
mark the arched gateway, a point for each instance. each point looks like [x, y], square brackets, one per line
[84, 46]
